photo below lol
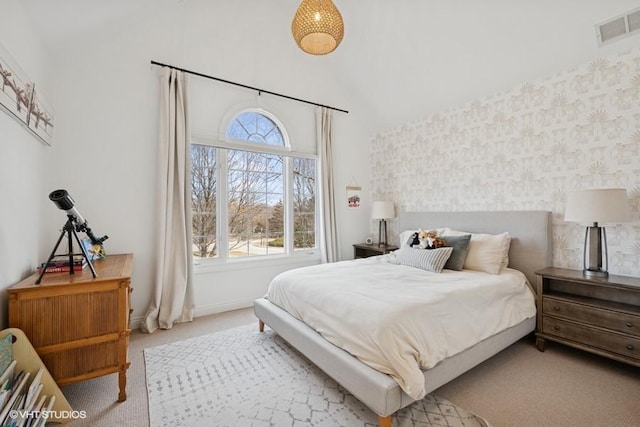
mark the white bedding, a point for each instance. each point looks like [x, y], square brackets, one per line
[400, 319]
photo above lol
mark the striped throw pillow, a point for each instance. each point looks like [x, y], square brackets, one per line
[426, 259]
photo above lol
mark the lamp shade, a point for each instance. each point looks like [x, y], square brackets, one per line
[382, 210]
[608, 205]
[317, 27]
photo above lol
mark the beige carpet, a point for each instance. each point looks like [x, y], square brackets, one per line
[518, 387]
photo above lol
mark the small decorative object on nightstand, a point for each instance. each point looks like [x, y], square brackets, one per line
[600, 315]
[365, 250]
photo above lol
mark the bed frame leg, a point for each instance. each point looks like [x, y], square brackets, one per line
[385, 421]
[261, 328]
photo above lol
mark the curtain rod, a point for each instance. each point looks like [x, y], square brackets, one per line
[195, 73]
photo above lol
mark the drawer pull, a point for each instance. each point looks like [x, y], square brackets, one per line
[556, 308]
[556, 328]
[629, 324]
[629, 346]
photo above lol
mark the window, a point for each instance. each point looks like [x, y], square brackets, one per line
[254, 200]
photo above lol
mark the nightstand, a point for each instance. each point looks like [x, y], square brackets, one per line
[364, 250]
[598, 315]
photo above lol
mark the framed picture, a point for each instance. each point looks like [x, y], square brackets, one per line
[353, 196]
[19, 99]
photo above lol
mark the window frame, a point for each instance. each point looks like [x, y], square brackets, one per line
[222, 146]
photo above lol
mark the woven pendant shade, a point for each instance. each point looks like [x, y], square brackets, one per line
[317, 27]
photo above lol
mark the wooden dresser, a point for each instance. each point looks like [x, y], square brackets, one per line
[77, 324]
[599, 315]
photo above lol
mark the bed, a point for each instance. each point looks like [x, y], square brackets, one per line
[530, 250]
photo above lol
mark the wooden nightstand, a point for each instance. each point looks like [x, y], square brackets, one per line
[364, 250]
[598, 315]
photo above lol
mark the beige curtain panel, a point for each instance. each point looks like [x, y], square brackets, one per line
[172, 299]
[328, 228]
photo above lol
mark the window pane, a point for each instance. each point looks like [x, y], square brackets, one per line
[255, 127]
[256, 222]
[237, 131]
[304, 203]
[203, 200]
[237, 160]
[274, 164]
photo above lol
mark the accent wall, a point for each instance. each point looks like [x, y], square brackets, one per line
[526, 148]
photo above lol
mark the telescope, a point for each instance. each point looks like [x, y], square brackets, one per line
[75, 223]
[63, 200]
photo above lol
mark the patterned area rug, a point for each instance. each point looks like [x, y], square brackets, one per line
[241, 377]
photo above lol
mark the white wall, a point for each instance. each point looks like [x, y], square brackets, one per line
[526, 148]
[106, 94]
[23, 243]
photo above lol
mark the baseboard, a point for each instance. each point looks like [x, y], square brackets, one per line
[135, 322]
[220, 308]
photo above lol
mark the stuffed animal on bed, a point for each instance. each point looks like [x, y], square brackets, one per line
[425, 239]
[413, 240]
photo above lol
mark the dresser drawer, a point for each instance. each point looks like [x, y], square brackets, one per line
[617, 321]
[608, 341]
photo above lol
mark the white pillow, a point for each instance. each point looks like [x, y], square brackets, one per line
[404, 236]
[426, 259]
[487, 252]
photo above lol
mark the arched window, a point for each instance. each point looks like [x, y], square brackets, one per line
[265, 194]
[254, 126]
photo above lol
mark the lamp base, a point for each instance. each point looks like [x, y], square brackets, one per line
[382, 233]
[595, 273]
[596, 259]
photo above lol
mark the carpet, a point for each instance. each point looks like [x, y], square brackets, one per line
[241, 377]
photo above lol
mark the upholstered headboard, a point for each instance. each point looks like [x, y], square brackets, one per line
[530, 232]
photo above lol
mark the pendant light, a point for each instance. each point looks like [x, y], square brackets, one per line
[317, 27]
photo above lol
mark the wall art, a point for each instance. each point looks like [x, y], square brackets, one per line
[353, 196]
[19, 99]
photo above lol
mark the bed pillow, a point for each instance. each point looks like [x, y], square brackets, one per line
[486, 252]
[460, 245]
[426, 259]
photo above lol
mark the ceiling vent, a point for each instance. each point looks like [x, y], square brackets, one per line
[619, 27]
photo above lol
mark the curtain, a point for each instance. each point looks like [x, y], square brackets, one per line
[328, 226]
[172, 299]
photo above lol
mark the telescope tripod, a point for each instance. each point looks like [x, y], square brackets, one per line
[70, 230]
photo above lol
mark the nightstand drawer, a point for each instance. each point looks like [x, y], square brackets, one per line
[617, 321]
[608, 341]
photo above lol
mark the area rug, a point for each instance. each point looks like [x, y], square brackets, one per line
[241, 377]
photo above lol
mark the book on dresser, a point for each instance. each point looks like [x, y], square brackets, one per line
[60, 263]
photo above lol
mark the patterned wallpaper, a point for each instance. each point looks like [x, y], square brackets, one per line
[526, 149]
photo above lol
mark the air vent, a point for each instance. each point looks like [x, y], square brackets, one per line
[634, 21]
[619, 27]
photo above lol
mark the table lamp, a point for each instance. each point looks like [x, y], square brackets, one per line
[605, 205]
[382, 210]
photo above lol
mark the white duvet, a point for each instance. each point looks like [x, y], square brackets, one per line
[399, 319]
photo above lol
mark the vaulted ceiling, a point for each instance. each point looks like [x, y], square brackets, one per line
[400, 60]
